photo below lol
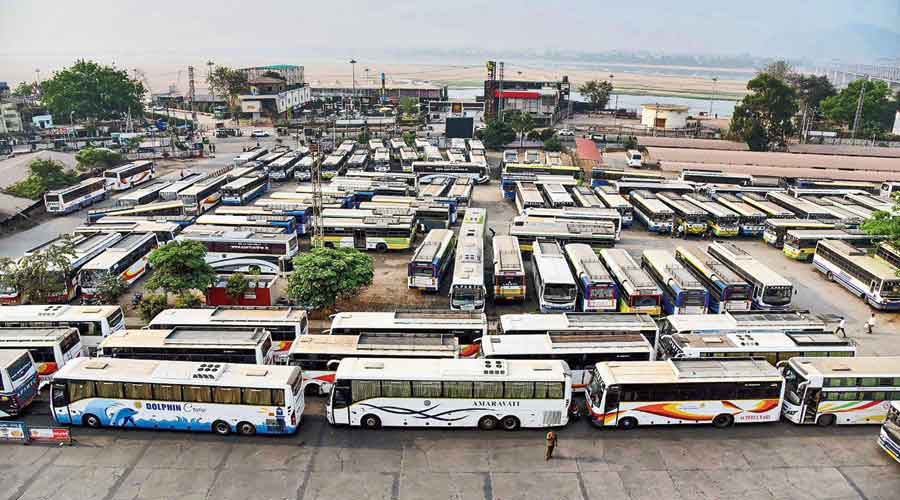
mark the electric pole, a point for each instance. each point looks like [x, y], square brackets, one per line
[195, 128]
[859, 107]
[318, 230]
[500, 99]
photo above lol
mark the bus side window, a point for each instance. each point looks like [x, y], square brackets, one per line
[612, 399]
[59, 395]
[341, 395]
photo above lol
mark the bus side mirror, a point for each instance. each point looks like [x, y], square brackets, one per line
[333, 364]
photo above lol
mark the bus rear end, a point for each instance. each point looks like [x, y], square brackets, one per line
[18, 381]
[509, 285]
[597, 297]
[421, 274]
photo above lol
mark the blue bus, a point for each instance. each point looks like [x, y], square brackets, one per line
[301, 214]
[258, 223]
[682, 292]
[18, 381]
[431, 261]
[726, 290]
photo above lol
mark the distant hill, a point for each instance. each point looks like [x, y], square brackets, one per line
[853, 42]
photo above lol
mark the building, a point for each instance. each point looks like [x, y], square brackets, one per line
[546, 102]
[275, 103]
[259, 292]
[292, 74]
[667, 116]
[42, 121]
[897, 123]
[373, 93]
[10, 119]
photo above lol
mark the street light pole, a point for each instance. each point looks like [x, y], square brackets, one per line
[616, 107]
[713, 96]
[353, 95]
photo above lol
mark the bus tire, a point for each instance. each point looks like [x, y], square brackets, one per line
[221, 428]
[826, 420]
[829, 276]
[328, 244]
[381, 247]
[370, 422]
[510, 423]
[488, 423]
[627, 423]
[312, 390]
[723, 421]
[91, 420]
[246, 429]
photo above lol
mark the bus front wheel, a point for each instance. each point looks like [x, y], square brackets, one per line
[381, 247]
[91, 421]
[510, 423]
[627, 423]
[221, 428]
[487, 423]
[825, 420]
[371, 422]
[723, 420]
[246, 429]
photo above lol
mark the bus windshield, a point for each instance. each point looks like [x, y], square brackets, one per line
[601, 292]
[463, 295]
[792, 381]
[596, 387]
[424, 270]
[777, 295]
[560, 293]
[890, 289]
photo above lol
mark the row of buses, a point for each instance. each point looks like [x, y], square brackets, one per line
[89, 191]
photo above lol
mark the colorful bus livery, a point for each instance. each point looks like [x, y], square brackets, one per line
[431, 261]
[72, 198]
[18, 382]
[129, 175]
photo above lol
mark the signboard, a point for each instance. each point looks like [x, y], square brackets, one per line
[251, 106]
[13, 431]
[50, 434]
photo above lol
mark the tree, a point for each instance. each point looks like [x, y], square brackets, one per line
[97, 159]
[553, 144]
[180, 266]
[151, 305]
[522, 123]
[322, 276]
[597, 92]
[877, 110]
[110, 287]
[26, 89]
[496, 134]
[409, 138]
[237, 286]
[43, 175]
[230, 83]
[409, 106]
[812, 90]
[92, 91]
[40, 275]
[763, 119]
[363, 137]
[780, 69]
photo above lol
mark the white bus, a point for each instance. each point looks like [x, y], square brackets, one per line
[597, 234]
[482, 393]
[509, 269]
[170, 193]
[200, 197]
[468, 327]
[369, 233]
[246, 251]
[684, 391]
[870, 279]
[574, 214]
[129, 175]
[50, 348]
[381, 160]
[637, 292]
[771, 291]
[467, 290]
[682, 292]
[248, 156]
[164, 231]
[580, 352]
[612, 199]
[554, 284]
[431, 261]
[18, 382]
[178, 395]
[579, 324]
[245, 189]
[771, 346]
[596, 287]
[282, 169]
[93, 322]
[556, 195]
[319, 355]
[889, 438]
[72, 198]
[827, 391]
[727, 291]
[128, 259]
[652, 212]
[189, 343]
[284, 323]
[528, 196]
[793, 322]
[142, 196]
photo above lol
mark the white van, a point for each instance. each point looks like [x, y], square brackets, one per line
[634, 158]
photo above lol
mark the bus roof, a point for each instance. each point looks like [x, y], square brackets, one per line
[185, 337]
[230, 316]
[8, 356]
[579, 321]
[451, 369]
[119, 249]
[755, 342]
[33, 335]
[175, 372]
[586, 263]
[236, 235]
[859, 366]
[39, 313]
[383, 344]
[507, 254]
[687, 370]
[556, 344]
[417, 318]
[435, 243]
[756, 320]
[861, 258]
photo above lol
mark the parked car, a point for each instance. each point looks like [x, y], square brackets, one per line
[259, 133]
[564, 132]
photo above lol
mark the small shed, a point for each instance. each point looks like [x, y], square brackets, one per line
[259, 291]
[667, 116]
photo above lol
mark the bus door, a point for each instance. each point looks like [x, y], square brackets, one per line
[359, 239]
[339, 403]
[611, 404]
[59, 400]
[810, 406]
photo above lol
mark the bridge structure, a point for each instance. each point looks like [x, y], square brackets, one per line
[842, 75]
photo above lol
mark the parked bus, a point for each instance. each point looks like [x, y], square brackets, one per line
[72, 198]
[461, 191]
[475, 171]
[750, 322]
[727, 291]
[637, 291]
[580, 352]
[142, 196]
[431, 260]
[247, 222]
[510, 156]
[626, 186]
[128, 259]
[715, 177]
[333, 164]
[377, 392]
[554, 284]
[889, 188]
[538, 169]
[428, 215]
[586, 198]
[283, 168]
[771, 346]
[50, 348]
[289, 218]
[93, 322]
[751, 220]
[889, 438]
[690, 218]
[870, 279]
[200, 197]
[436, 187]
[18, 382]
[652, 212]
[776, 229]
[601, 176]
[381, 160]
[245, 189]
[871, 202]
[467, 290]
[837, 185]
[609, 324]
[267, 159]
[164, 211]
[190, 343]
[596, 288]
[237, 251]
[509, 269]
[573, 214]
[722, 392]
[129, 175]
[284, 323]
[528, 196]
[170, 193]
[803, 208]
[467, 327]
[722, 221]
[828, 391]
[370, 233]
[556, 195]
[253, 155]
[838, 214]
[597, 234]
[888, 253]
[358, 160]
[164, 231]
[800, 244]
[612, 199]
[682, 292]
[770, 290]
[408, 156]
[319, 355]
[178, 395]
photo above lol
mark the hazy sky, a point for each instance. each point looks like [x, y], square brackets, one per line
[44, 30]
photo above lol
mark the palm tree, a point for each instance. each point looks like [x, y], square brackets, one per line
[522, 123]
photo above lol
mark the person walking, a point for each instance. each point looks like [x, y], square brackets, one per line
[870, 325]
[841, 327]
[551, 445]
